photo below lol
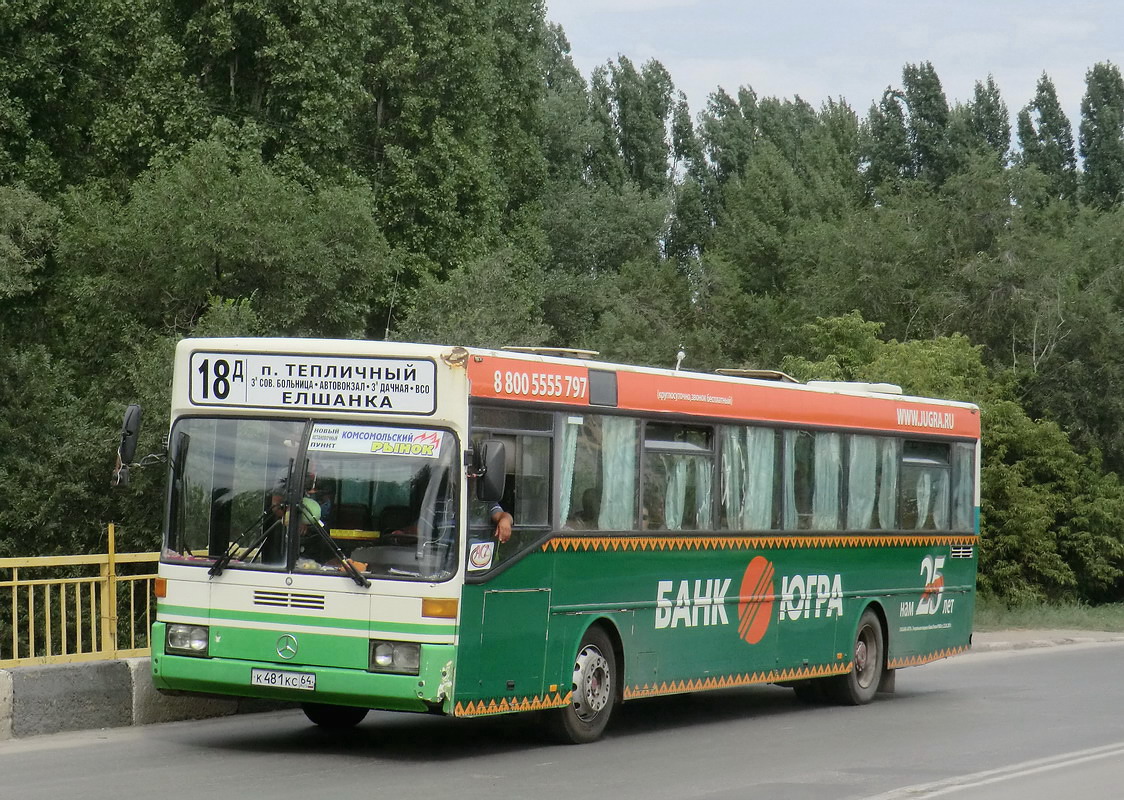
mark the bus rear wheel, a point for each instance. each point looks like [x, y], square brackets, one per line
[334, 717]
[859, 686]
[593, 691]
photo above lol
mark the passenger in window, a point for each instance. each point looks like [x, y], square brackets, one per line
[498, 517]
[502, 520]
[586, 517]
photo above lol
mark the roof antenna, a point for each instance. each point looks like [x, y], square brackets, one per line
[682, 354]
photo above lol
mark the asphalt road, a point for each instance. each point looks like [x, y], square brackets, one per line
[1005, 723]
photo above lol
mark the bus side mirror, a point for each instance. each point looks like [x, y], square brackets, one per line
[491, 463]
[130, 432]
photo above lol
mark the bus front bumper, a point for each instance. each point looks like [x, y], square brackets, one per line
[428, 691]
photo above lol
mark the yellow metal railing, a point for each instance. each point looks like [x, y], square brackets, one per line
[57, 609]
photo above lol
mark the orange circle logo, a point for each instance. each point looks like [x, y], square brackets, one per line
[755, 608]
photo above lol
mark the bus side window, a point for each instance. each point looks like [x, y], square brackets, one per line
[678, 477]
[925, 486]
[749, 472]
[527, 437]
[963, 481]
[599, 454]
[872, 482]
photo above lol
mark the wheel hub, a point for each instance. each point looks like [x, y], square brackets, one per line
[864, 666]
[592, 682]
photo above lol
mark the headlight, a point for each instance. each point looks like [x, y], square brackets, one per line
[188, 640]
[403, 658]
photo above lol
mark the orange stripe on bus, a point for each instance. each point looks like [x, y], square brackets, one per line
[558, 382]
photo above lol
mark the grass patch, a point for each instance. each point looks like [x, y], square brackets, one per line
[992, 615]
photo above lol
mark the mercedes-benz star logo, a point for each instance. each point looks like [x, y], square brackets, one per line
[287, 646]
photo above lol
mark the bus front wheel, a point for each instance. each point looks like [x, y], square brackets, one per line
[859, 686]
[333, 717]
[593, 691]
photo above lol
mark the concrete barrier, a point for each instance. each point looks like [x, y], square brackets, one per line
[100, 694]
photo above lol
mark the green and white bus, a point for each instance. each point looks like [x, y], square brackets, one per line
[328, 536]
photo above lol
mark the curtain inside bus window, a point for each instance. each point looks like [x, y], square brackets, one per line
[862, 482]
[940, 500]
[923, 496]
[734, 476]
[618, 490]
[749, 472]
[925, 485]
[586, 485]
[675, 498]
[571, 426]
[704, 480]
[827, 480]
[761, 459]
[678, 476]
[888, 483]
[963, 479]
[797, 483]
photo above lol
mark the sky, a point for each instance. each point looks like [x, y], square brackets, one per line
[851, 49]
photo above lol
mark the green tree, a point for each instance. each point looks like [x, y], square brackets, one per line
[982, 125]
[54, 496]
[1102, 135]
[1046, 514]
[219, 224]
[1046, 141]
[493, 301]
[28, 228]
[632, 110]
[928, 122]
[729, 131]
[569, 133]
[759, 210]
[886, 142]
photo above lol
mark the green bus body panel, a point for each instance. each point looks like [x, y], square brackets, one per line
[689, 612]
[338, 662]
[652, 593]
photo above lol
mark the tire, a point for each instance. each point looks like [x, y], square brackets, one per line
[594, 691]
[335, 718]
[860, 685]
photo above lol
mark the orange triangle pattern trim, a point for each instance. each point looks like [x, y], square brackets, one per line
[782, 542]
[925, 658]
[507, 705]
[733, 681]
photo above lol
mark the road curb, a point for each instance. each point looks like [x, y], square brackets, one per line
[1024, 639]
[41, 700]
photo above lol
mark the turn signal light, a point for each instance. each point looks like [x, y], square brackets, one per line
[441, 607]
[160, 587]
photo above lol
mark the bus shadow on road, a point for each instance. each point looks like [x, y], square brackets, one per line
[766, 702]
[412, 738]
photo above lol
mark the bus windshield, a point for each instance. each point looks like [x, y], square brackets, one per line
[383, 498]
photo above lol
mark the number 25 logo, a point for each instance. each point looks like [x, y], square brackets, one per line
[934, 585]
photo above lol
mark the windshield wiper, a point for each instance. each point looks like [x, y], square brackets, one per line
[259, 542]
[256, 545]
[322, 532]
